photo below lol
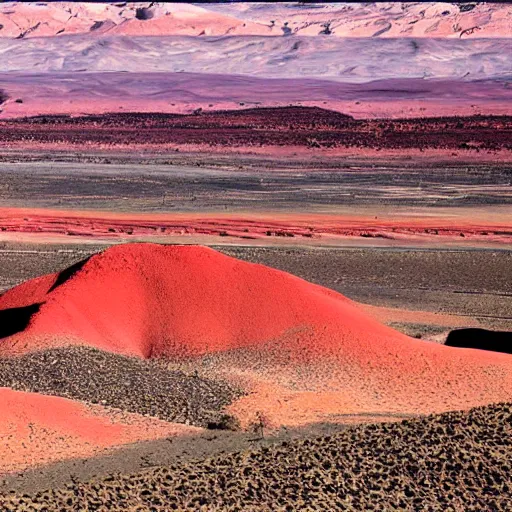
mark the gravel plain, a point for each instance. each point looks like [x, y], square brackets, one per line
[449, 462]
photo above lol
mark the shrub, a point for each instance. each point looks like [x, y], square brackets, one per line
[225, 422]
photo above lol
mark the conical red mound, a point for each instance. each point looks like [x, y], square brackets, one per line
[150, 300]
[184, 301]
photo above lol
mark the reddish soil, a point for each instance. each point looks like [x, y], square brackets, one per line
[30, 292]
[309, 127]
[146, 316]
[259, 326]
[393, 315]
[37, 429]
[325, 228]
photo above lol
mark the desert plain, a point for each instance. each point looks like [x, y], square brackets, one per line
[237, 242]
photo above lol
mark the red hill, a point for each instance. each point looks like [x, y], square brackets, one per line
[178, 302]
[175, 301]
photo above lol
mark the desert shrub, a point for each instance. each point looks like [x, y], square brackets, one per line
[225, 422]
[261, 422]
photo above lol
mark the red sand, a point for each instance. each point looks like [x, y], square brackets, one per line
[29, 292]
[37, 429]
[441, 225]
[257, 324]
[177, 301]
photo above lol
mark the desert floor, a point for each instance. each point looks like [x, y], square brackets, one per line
[423, 243]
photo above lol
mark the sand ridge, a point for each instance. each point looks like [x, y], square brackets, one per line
[36, 429]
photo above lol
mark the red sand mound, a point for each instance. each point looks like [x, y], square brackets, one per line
[175, 301]
[189, 301]
[28, 293]
[37, 429]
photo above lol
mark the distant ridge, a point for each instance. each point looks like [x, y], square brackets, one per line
[470, 19]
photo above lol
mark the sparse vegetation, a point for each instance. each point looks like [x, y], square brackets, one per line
[225, 422]
[454, 461]
[260, 423]
[285, 126]
[131, 384]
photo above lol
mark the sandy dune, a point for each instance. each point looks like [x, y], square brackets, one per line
[37, 429]
[165, 337]
[336, 20]
[427, 59]
[305, 353]
[347, 60]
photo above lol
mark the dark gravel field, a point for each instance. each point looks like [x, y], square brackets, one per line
[312, 127]
[453, 461]
[170, 187]
[131, 384]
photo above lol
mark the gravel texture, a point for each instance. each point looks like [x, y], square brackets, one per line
[449, 462]
[134, 385]
[311, 127]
